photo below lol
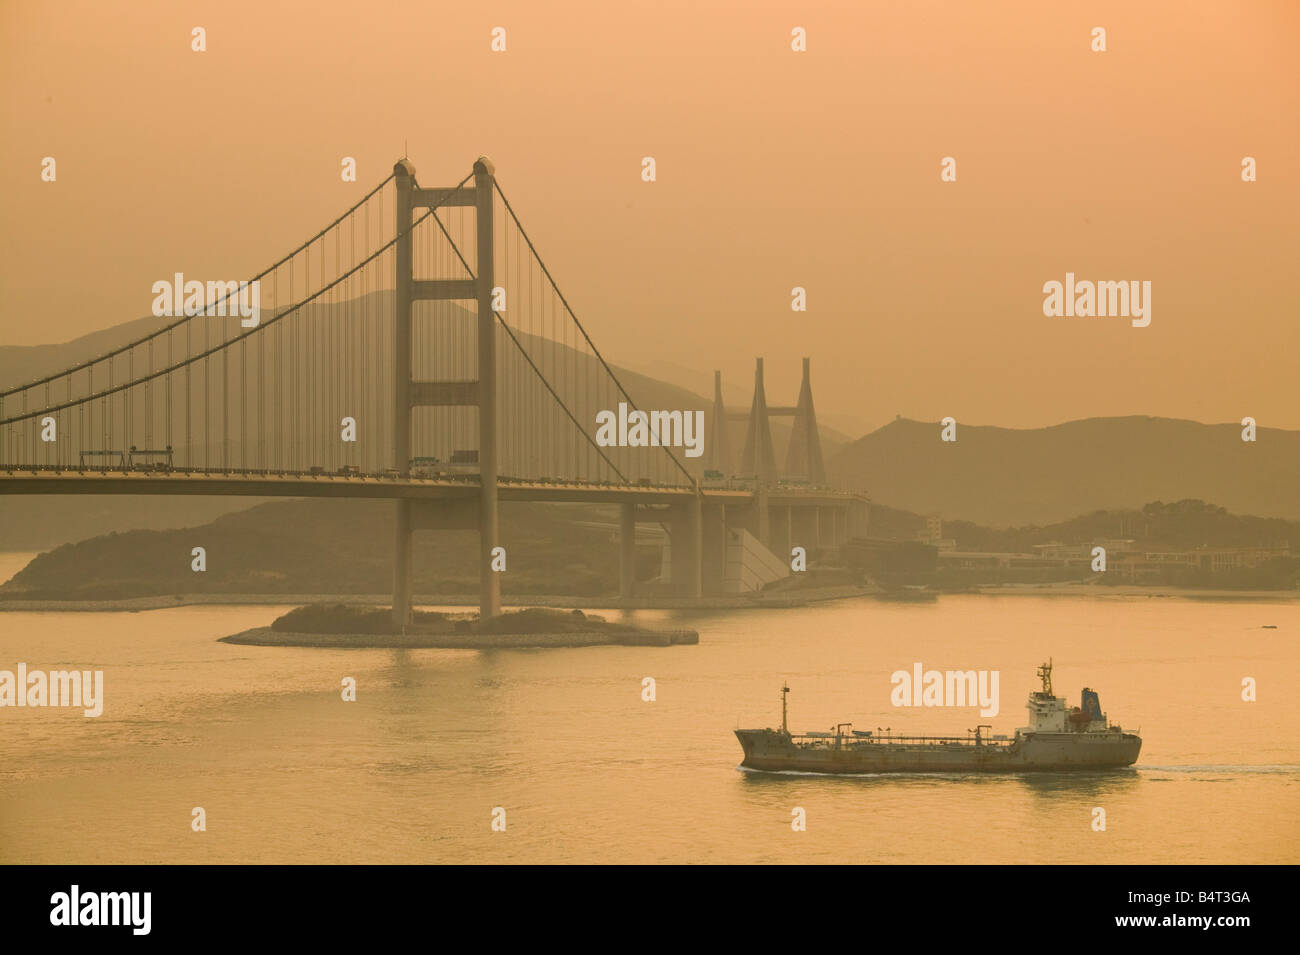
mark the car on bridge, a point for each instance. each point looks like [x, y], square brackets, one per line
[463, 462]
[425, 466]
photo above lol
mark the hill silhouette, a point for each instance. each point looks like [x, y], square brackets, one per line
[332, 547]
[1002, 476]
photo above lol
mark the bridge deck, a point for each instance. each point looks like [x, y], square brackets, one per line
[298, 484]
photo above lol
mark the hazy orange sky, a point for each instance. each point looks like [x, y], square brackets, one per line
[775, 169]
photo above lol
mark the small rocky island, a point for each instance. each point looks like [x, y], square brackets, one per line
[346, 626]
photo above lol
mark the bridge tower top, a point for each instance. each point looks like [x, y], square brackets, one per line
[803, 460]
[758, 457]
[718, 454]
[804, 457]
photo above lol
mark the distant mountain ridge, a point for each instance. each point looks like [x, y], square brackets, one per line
[1002, 477]
[20, 364]
[993, 476]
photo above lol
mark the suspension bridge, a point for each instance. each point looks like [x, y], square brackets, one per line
[416, 348]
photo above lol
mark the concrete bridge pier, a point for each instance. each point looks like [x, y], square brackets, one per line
[459, 514]
[627, 550]
[805, 527]
[713, 558]
[780, 538]
[831, 518]
[402, 566]
[686, 527]
[761, 526]
[858, 517]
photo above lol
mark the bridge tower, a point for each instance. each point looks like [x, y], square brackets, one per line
[480, 392]
[758, 457]
[803, 459]
[803, 462]
[718, 455]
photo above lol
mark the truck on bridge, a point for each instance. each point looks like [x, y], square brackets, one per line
[149, 459]
[426, 466]
[133, 459]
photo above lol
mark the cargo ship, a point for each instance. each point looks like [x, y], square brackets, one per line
[1058, 738]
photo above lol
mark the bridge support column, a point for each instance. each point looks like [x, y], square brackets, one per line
[800, 526]
[713, 562]
[402, 566]
[763, 524]
[859, 518]
[831, 526]
[686, 527]
[489, 531]
[781, 531]
[627, 550]
[805, 527]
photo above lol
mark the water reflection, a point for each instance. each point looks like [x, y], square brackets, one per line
[1101, 783]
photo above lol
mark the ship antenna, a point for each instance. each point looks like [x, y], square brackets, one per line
[785, 689]
[1045, 673]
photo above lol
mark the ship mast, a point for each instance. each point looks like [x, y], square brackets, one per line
[1045, 674]
[785, 689]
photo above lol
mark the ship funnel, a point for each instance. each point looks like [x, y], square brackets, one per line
[1090, 704]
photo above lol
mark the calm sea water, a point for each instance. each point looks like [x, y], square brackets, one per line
[588, 772]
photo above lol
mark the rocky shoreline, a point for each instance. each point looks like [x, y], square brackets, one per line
[796, 598]
[1129, 590]
[266, 637]
[788, 599]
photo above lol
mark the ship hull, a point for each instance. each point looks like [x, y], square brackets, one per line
[770, 751]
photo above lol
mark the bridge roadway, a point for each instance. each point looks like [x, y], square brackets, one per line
[72, 480]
